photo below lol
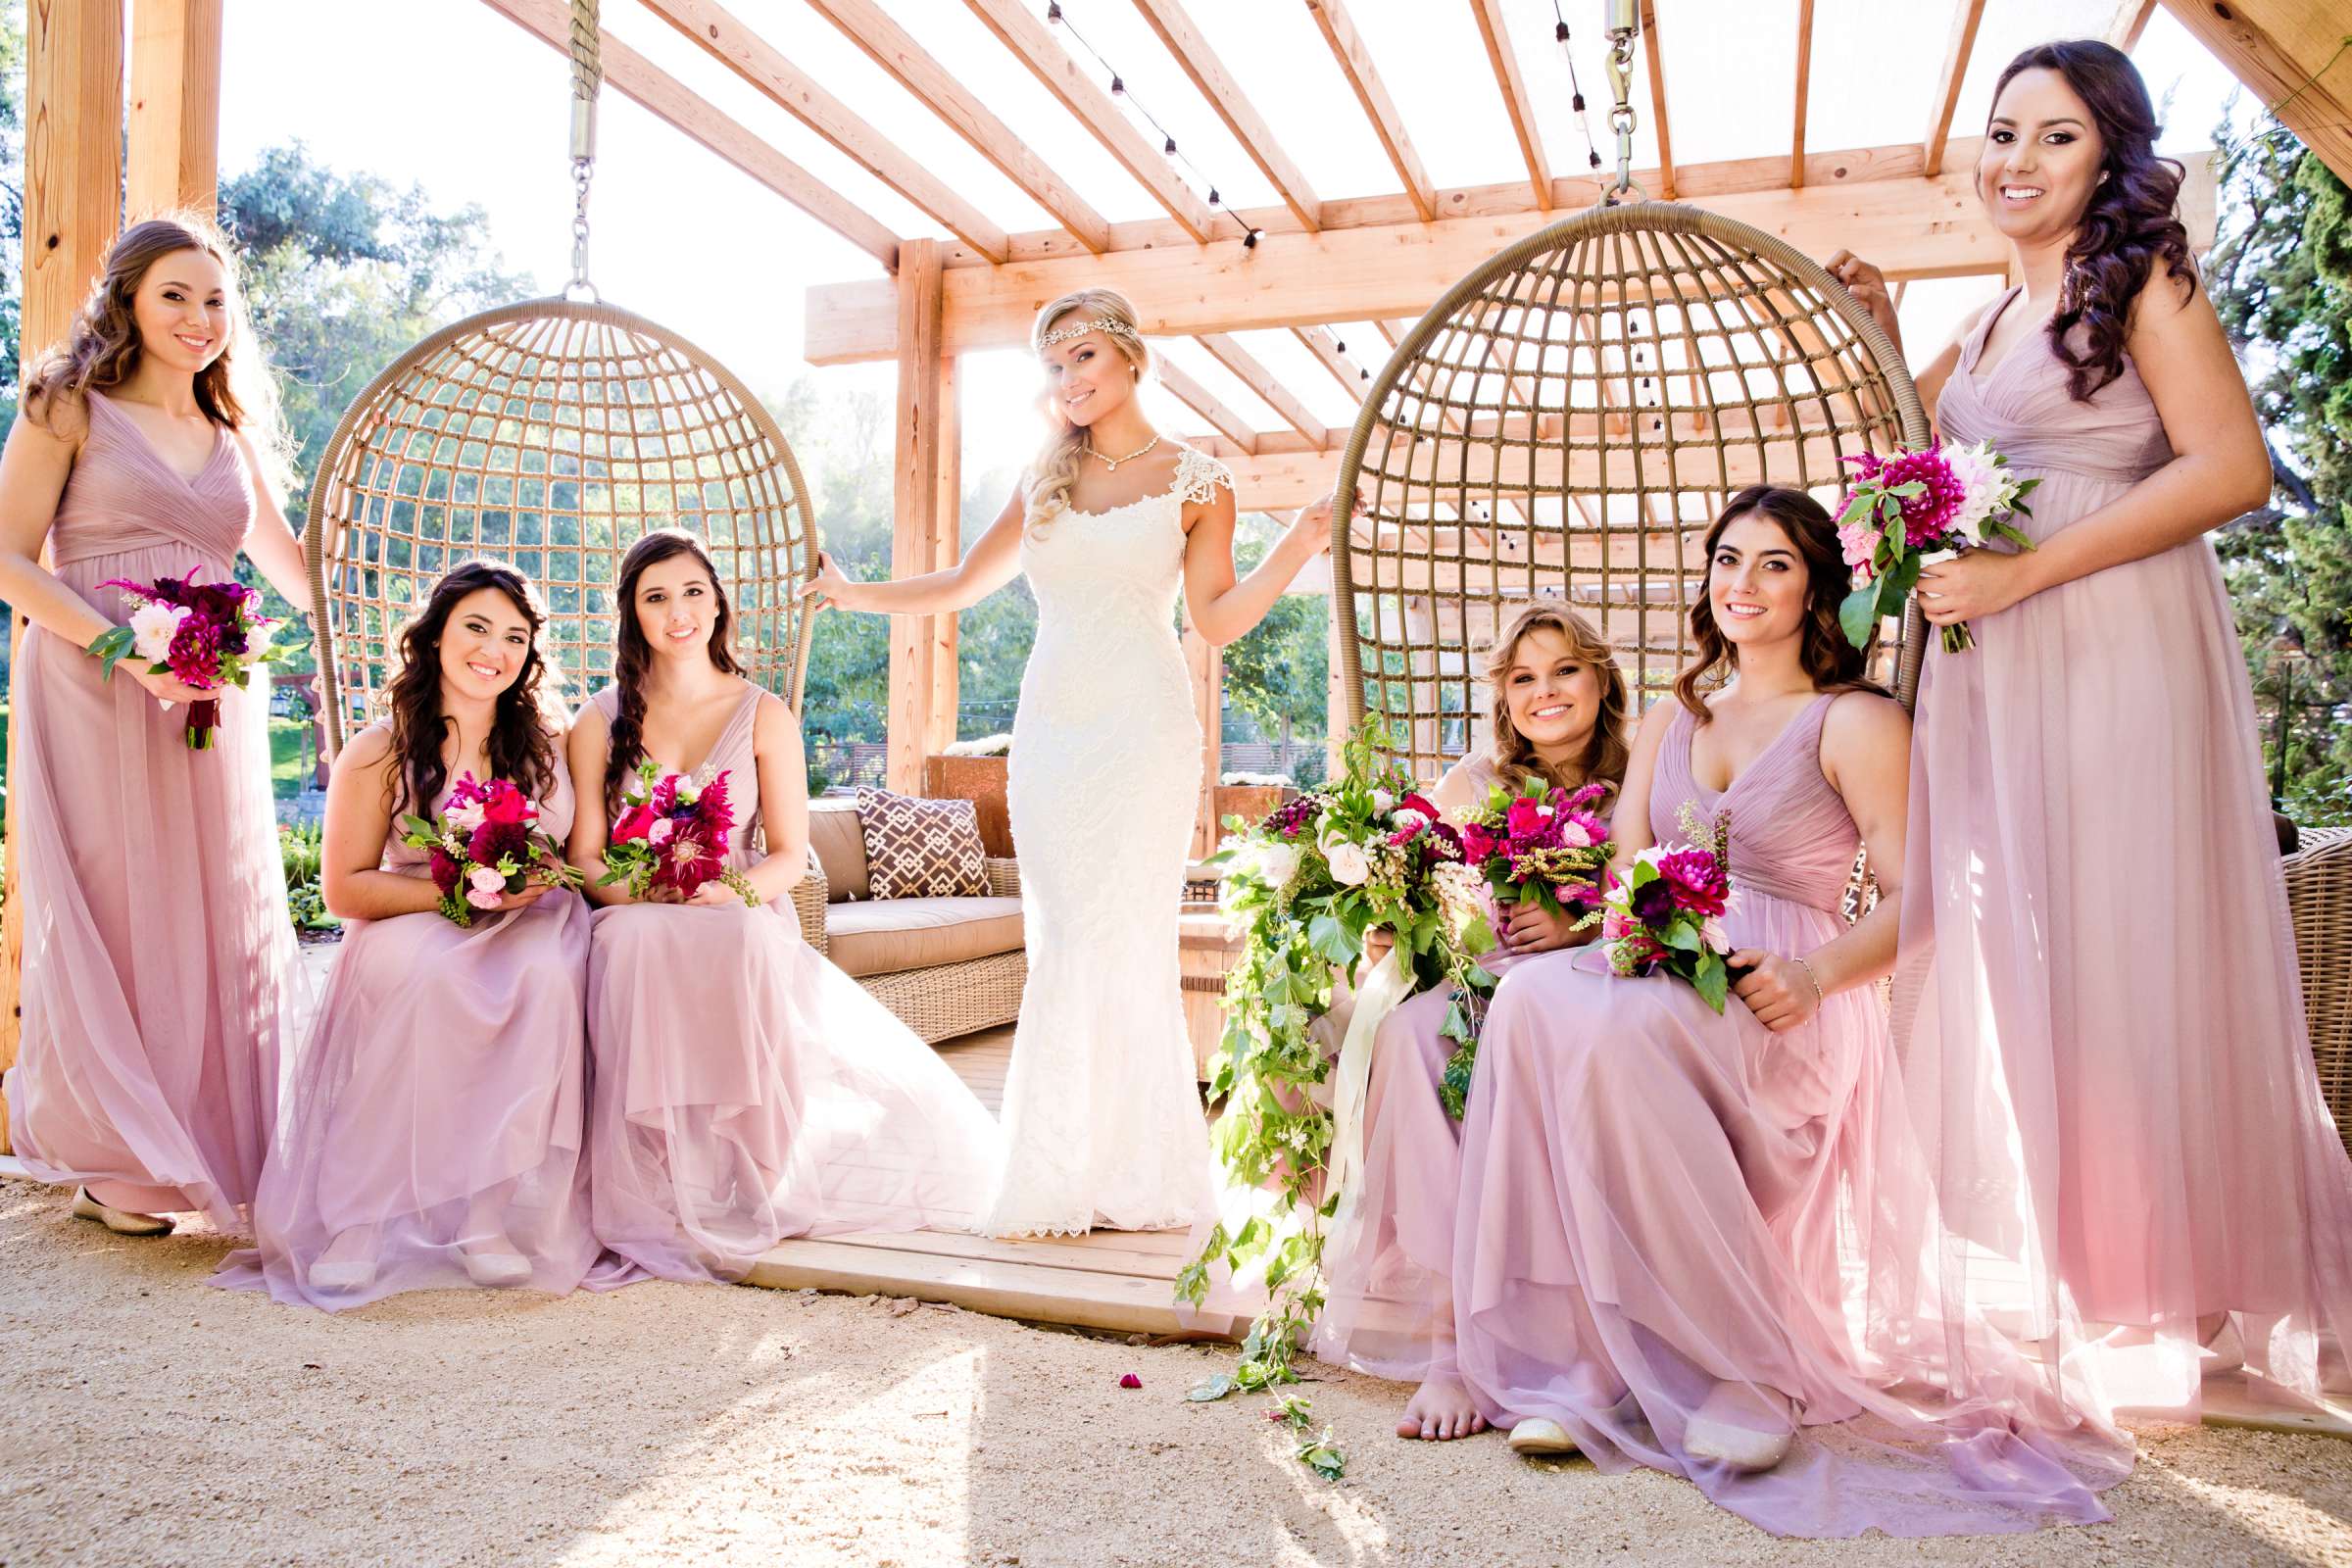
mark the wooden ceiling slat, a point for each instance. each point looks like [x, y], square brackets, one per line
[1516, 101]
[1804, 88]
[1355, 64]
[1945, 101]
[1654, 54]
[726, 40]
[1197, 398]
[916, 69]
[1062, 76]
[1332, 354]
[2130, 20]
[1228, 352]
[671, 100]
[2291, 55]
[1184, 40]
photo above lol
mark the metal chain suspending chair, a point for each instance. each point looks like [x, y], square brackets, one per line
[551, 434]
[1568, 419]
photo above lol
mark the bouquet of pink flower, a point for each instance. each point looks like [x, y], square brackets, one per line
[208, 634]
[1666, 913]
[1543, 844]
[1902, 509]
[485, 845]
[671, 836]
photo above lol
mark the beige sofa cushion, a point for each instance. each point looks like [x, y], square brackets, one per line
[839, 844]
[884, 935]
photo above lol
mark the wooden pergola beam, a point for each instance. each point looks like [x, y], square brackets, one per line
[1332, 354]
[762, 67]
[1912, 228]
[1495, 32]
[1184, 40]
[671, 100]
[1654, 55]
[1197, 398]
[2130, 20]
[1804, 89]
[1348, 47]
[73, 209]
[1704, 182]
[1027, 36]
[1247, 368]
[915, 494]
[2290, 54]
[936, 87]
[1944, 102]
[175, 131]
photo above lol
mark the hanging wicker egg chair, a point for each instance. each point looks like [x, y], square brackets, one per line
[1568, 419]
[551, 435]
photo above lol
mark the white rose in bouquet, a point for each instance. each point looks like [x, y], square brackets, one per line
[152, 628]
[1350, 867]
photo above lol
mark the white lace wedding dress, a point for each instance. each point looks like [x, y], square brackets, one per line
[1102, 1120]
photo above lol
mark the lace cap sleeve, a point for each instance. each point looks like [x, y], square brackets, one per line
[1198, 475]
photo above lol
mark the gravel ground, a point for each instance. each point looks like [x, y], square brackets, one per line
[153, 1420]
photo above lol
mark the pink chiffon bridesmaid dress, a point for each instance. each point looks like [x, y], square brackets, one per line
[745, 1090]
[433, 1133]
[1661, 1207]
[2109, 1049]
[159, 963]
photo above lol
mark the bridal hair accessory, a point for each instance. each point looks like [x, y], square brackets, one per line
[1062, 335]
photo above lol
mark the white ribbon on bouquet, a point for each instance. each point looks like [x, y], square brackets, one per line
[1389, 984]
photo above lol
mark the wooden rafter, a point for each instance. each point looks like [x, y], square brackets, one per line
[1804, 89]
[2130, 20]
[758, 62]
[1228, 352]
[1493, 29]
[935, 86]
[1912, 228]
[671, 100]
[1332, 354]
[2291, 53]
[1355, 64]
[1707, 182]
[172, 142]
[1945, 101]
[1197, 398]
[1654, 55]
[1183, 38]
[1027, 36]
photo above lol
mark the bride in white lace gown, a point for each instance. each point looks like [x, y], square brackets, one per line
[1102, 1122]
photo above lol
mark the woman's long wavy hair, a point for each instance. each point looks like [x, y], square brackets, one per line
[1833, 663]
[2131, 223]
[525, 723]
[101, 347]
[1510, 752]
[636, 655]
[1055, 466]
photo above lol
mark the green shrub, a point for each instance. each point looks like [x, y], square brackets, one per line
[301, 848]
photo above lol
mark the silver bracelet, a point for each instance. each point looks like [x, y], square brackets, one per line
[1819, 995]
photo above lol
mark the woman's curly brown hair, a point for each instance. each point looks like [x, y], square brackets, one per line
[523, 730]
[1833, 663]
[2131, 224]
[636, 654]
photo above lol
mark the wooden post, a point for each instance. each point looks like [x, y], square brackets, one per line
[174, 107]
[914, 502]
[73, 209]
[1204, 664]
[947, 540]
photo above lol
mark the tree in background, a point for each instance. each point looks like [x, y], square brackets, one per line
[2281, 278]
[1278, 673]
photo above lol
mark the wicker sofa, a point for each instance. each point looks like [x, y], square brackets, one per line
[945, 966]
[2319, 896]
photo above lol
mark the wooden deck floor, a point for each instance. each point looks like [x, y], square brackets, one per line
[1117, 1280]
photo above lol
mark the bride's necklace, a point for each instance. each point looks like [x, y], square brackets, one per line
[1111, 464]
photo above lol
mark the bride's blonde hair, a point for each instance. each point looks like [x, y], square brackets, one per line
[1056, 464]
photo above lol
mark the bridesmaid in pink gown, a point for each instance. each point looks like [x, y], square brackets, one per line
[433, 1133]
[2109, 1040]
[745, 1090]
[1658, 1201]
[158, 961]
[1557, 710]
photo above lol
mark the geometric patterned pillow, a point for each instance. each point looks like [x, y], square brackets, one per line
[917, 848]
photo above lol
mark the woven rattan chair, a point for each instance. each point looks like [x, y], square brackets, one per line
[551, 435]
[1568, 419]
[2319, 894]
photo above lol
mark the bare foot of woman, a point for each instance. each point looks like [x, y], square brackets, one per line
[1440, 1408]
